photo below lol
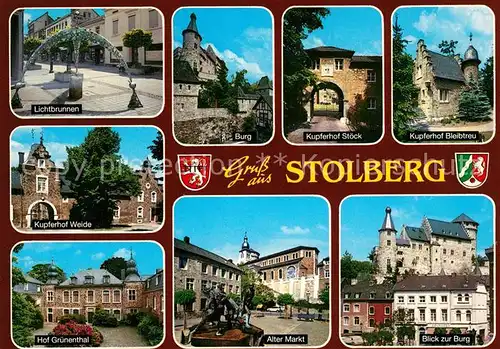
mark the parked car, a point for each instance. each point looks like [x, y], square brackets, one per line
[275, 309]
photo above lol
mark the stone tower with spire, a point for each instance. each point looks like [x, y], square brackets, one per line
[246, 253]
[386, 251]
[470, 63]
[191, 44]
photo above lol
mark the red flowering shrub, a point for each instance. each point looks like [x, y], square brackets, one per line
[72, 328]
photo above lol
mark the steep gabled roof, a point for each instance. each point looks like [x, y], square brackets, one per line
[184, 73]
[329, 51]
[98, 278]
[415, 233]
[439, 283]
[446, 67]
[463, 218]
[448, 229]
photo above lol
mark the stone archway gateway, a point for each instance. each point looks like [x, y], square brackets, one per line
[41, 210]
[331, 103]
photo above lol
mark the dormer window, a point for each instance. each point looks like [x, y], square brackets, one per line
[89, 280]
[106, 279]
[41, 163]
[73, 280]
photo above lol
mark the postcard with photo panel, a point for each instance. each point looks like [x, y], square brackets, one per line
[86, 62]
[223, 75]
[105, 179]
[443, 74]
[88, 294]
[332, 75]
[417, 270]
[251, 271]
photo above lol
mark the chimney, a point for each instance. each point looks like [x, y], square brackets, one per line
[158, 270]
[123, 274]
[230, 261]
[186, 239]
[21, 158]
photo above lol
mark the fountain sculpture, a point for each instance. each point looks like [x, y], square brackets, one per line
[76, 35]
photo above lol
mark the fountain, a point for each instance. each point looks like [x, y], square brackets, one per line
[75, 35]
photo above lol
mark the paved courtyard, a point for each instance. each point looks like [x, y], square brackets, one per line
[317, 331]
[121, 336]
[105, 91]
[318, 124]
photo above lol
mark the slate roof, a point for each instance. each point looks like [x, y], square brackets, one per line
[366, 61]
[446, 67]
[402, 242]
[264, 83]
[464, 218]
[415, 233]
[439, 283]
[16, 181]
[32, 280]
[188, 247]
[448, 229]
[290, 250]
[184, 73]
[267, 99]
[388, 223]
[329, 51]
[365, 288]
[98, 275]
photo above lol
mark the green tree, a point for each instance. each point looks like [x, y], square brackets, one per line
[286, 299]
[40, 271]
[324, 297]
[157, 149]
[487, 79]
[115, 265]
[473, 104]
[30, 45]
[184, 298]
[383, 335]
[448, 47]
[350, 268]
[405, 326]
[298, 23]
[263, 294]
[455, 330]
[440, 331]
[219, 93]
[98, 175]
[405, 94]
[17, 273]
[135, 39]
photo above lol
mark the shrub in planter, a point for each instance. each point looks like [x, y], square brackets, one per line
[78, 318]
[72, 328]
[102, 318]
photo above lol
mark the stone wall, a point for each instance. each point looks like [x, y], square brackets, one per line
[207, 130]
[149, 302]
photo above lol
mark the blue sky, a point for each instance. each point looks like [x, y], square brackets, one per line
[32, 14]
[134, 142]
[434, 24]
[273, 224]
[352, 28]
[75, 256]
[359, 236]
[242, 37]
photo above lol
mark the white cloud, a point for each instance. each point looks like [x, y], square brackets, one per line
[124, 253]
[477, 18]
[294, 230]
[312, 41]
[263, 35]
[27, 261]
[27, 17]
[238, 63]
[98, 256]
[321, 227]
[411, 39]
[228, 251]
[57, 151]
[426, 22]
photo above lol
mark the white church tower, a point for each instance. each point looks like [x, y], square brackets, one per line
[246, 253]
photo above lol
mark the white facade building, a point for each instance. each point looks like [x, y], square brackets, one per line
[444, 301]
[120, 21]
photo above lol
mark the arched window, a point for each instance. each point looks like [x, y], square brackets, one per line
[76, 297]
[372, 322]
[458, 315]
[466, 297]
[459, 297]
[140, 212]
[153, 196]
[66, 297]
[468, 316]
[140, 197]
[280, 274]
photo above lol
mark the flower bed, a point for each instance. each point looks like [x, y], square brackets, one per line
[72, 328]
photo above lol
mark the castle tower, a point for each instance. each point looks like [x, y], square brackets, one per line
[191, 40]
[470, 63]
[470, 227]
[246, 253]
[386, 255]
[131, 273]
[52, 274]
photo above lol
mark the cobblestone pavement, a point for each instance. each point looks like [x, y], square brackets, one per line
[318, 124]
[121, 336]
[317, 331]
[105, 92]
